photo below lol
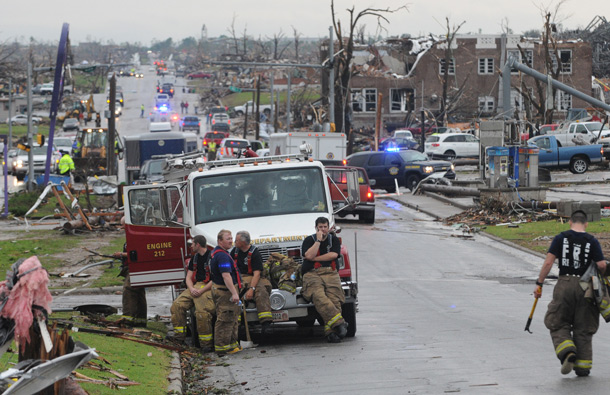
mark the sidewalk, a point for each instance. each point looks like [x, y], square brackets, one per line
[432, 204]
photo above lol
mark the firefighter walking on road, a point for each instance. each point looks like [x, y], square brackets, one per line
[571, 318]
[225, 284]
[321, 282]
[197, 276]
[250, 264]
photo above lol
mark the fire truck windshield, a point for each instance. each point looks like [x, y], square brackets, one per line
[259, 193]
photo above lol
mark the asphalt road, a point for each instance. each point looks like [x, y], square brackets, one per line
[437, 314]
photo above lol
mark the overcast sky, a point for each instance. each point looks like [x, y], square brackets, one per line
[147, 21]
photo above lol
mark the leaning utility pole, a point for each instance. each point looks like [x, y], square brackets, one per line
[30, 186]
[110, 151]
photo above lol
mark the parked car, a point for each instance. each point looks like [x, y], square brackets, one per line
[256, 145]
[70, 124]
[231, 148]
[22, 119]
[151, 171]
[19, 161]
[545, 129]
[215, 136]
[214, 110]
[407, 167]
[585, 132]
[200, 74]
[365, 210]
[190, 123]
[452, 145]
[577, 158]
[63, 143]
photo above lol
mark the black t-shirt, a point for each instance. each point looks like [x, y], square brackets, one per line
[331, 244]
[202, 266]
[221, 262]
[575, 250]
[242, 259]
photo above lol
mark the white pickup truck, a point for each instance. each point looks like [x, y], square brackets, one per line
[587, 132]
[47, 89]
[251, 106]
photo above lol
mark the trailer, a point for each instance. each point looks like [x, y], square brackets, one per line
[323, 146]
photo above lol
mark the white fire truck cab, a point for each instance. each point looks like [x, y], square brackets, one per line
[276, 199]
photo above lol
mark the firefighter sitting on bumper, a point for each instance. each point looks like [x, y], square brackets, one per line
[197, 276]
[250, 264]
[321, 282]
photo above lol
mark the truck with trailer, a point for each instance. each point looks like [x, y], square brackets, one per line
[141, 147]
[201, 198]
[323, 146]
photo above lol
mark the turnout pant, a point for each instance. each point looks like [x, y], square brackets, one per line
[204, 314]
[227, 320]
[572, 320]
[261, 297]
[323, 288]
[134, 304]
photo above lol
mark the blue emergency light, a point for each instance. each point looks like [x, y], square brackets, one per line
[392, 149]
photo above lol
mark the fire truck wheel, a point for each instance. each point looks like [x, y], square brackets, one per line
[349, 315]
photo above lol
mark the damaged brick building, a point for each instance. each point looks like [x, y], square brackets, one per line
[408, 73]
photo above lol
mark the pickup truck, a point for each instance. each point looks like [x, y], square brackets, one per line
[577, 158]
[588, 132]
[47, 89]
[190, 123]
[263, 108]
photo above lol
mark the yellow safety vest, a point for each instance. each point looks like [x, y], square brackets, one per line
[212, 146]
[65, 164]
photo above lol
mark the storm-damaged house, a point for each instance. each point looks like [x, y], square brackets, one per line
[409, 74]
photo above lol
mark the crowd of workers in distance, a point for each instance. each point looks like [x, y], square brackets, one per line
[220, 281]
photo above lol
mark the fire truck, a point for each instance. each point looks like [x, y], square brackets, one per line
[202, 198]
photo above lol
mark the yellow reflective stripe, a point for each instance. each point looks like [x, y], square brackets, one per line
[583, 364]
[128, 317]
[334, 319]
[205, 337]
[179, 329]
[606, 309]
[234, 345]
[266, 314]
[221, 348]
[565, 344]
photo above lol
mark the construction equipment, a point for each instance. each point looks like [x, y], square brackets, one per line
[529, 320]
[91, 160]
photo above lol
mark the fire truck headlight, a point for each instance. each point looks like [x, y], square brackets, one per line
[277, 301]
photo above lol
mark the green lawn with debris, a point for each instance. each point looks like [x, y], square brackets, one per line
[538, 235]
[144, 365]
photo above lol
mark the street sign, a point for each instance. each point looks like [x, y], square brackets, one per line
[235, 89]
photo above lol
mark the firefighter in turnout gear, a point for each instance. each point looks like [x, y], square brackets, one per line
[250, 264]
[225, 286]
[321, 282]
[197, 276]
[571, 318]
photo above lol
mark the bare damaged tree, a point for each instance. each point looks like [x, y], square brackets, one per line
[552, 63]
[233, 33]
[343, 60]
[263, 50]
[448, 62]
[276, 41]
[297, 36]
[8, 60]
[360, 32]
[244, 41]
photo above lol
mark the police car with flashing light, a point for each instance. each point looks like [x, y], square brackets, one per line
[406, 168]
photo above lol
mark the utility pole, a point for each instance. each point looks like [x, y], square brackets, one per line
[110, 154]
[331, 78]
[378, 121]
[10, 113]
[30, 186]
[258, 103]
[271, 115]
[288, 117]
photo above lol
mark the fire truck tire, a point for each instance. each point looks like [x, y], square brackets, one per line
[368, 218]
[349, 315]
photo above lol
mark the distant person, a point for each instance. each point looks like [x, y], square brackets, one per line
[182, 107]
[66, 165]
[211, 150]
[186, 107]
[142, 111]
[98, 120]
[249, 153]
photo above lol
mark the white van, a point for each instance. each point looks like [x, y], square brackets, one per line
[160, 127]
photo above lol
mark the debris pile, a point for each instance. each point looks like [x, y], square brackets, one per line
[497, 212]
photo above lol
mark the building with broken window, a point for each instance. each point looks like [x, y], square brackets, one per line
[409, 73]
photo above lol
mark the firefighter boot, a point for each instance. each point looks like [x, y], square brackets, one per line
[342, 330]
[568, 363]
[332, 337]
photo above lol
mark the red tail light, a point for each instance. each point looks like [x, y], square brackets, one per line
[370, 196]
[294, 253]
[229, 121]
[436, 145]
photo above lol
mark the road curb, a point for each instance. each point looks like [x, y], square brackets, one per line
[175, 375]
